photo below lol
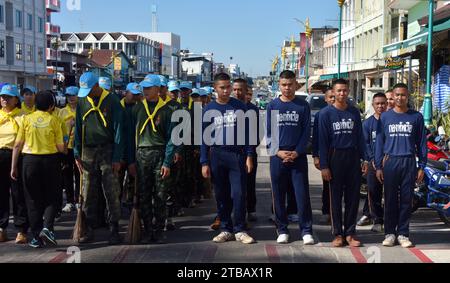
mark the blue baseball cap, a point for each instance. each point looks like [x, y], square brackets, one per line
[208, 90]
[195, 91]
[105, 83]
[203, 92]
[134, 88]
[186, 84]
[151, 81]
[173, 86]
[87, 81]
[30, 88]
[72, 91]
[10, 90]
[163, 80]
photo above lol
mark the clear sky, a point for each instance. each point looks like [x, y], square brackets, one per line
[250, 31]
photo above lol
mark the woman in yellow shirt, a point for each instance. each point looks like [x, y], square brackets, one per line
[10, 121]
[40, 138]
[29, 96]
[70, 170]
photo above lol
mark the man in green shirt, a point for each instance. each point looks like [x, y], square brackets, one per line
[98, 151]
[153, 157]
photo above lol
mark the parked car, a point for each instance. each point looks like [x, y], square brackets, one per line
[316, 102]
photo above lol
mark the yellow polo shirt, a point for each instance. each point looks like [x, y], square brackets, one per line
[27, 110]
[40, 132]
[10, 124]
[67, 115]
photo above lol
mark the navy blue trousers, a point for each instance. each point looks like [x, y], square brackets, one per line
[297, 173]
[400, 175]
[230, 184]
[346, 174]
[374, 196]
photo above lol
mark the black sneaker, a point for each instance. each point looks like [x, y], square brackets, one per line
[48, 237]
[36, 243]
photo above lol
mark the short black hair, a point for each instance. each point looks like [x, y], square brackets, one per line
[400, 85]
[287, 74]
[240, 81]
[379, 95]
[340, 82]
[328, 89]
[45, 100]
[26, 91]
[222, 77]
[390, 90]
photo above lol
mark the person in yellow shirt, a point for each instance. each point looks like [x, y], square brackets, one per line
[40, 138]
[10, 121]
[29, 96]
[69, 169]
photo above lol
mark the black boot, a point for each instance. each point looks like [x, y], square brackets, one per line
[114, 238]
[148, 234]
[88, 236]
[159, 237]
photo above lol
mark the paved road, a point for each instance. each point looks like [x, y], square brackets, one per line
[191, 243]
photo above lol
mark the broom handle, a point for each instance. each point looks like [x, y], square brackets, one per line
[81, 171]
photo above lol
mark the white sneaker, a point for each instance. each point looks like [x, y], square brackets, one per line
[244, 238]
[293, 218]
[224, 237]
[389, 241]
[283, 239]
[68, 208]
[308, 240]
[405, 242]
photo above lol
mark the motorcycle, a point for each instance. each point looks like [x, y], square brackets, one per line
[438, 146]
[434, 192]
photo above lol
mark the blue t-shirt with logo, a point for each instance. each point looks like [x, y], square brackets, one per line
[293, 123]
[370, 127]
[340, 129]
[402, 135]
[225, 126]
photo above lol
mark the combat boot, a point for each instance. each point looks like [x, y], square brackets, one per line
[114, 237]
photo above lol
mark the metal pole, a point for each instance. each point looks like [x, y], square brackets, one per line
[307, 65]
[428, 108]
[410, 74]
[340, 3]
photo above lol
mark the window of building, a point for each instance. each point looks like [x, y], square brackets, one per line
[19, 19]
[19, 54]
[30, 53]
[87, 46]
[41, 24]
[2, 49]
[119, 46]
[71, 47]
[40, 54]
[30, 22]
[104, 46]
[2, 14]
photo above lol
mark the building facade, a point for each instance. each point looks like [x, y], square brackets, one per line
[143, 52]
[23, 42]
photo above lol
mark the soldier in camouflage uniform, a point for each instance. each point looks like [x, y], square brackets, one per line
[98, 150]
[153, 157]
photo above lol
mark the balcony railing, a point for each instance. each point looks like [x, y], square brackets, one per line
[53, 30]
[53, 5]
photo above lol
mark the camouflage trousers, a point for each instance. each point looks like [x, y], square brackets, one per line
[97, 169]
[185, 178]
[153, 190]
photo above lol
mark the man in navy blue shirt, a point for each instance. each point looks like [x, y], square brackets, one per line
[329, 99]
[288, 131]
[240, 89]
[226, 156]
[401, 138]
[341, 149]
[373, 209]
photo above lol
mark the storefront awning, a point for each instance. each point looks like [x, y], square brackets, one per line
[333, 76]
[418, 39]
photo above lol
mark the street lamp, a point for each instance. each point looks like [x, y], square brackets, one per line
[428, 105]
[340, 3]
